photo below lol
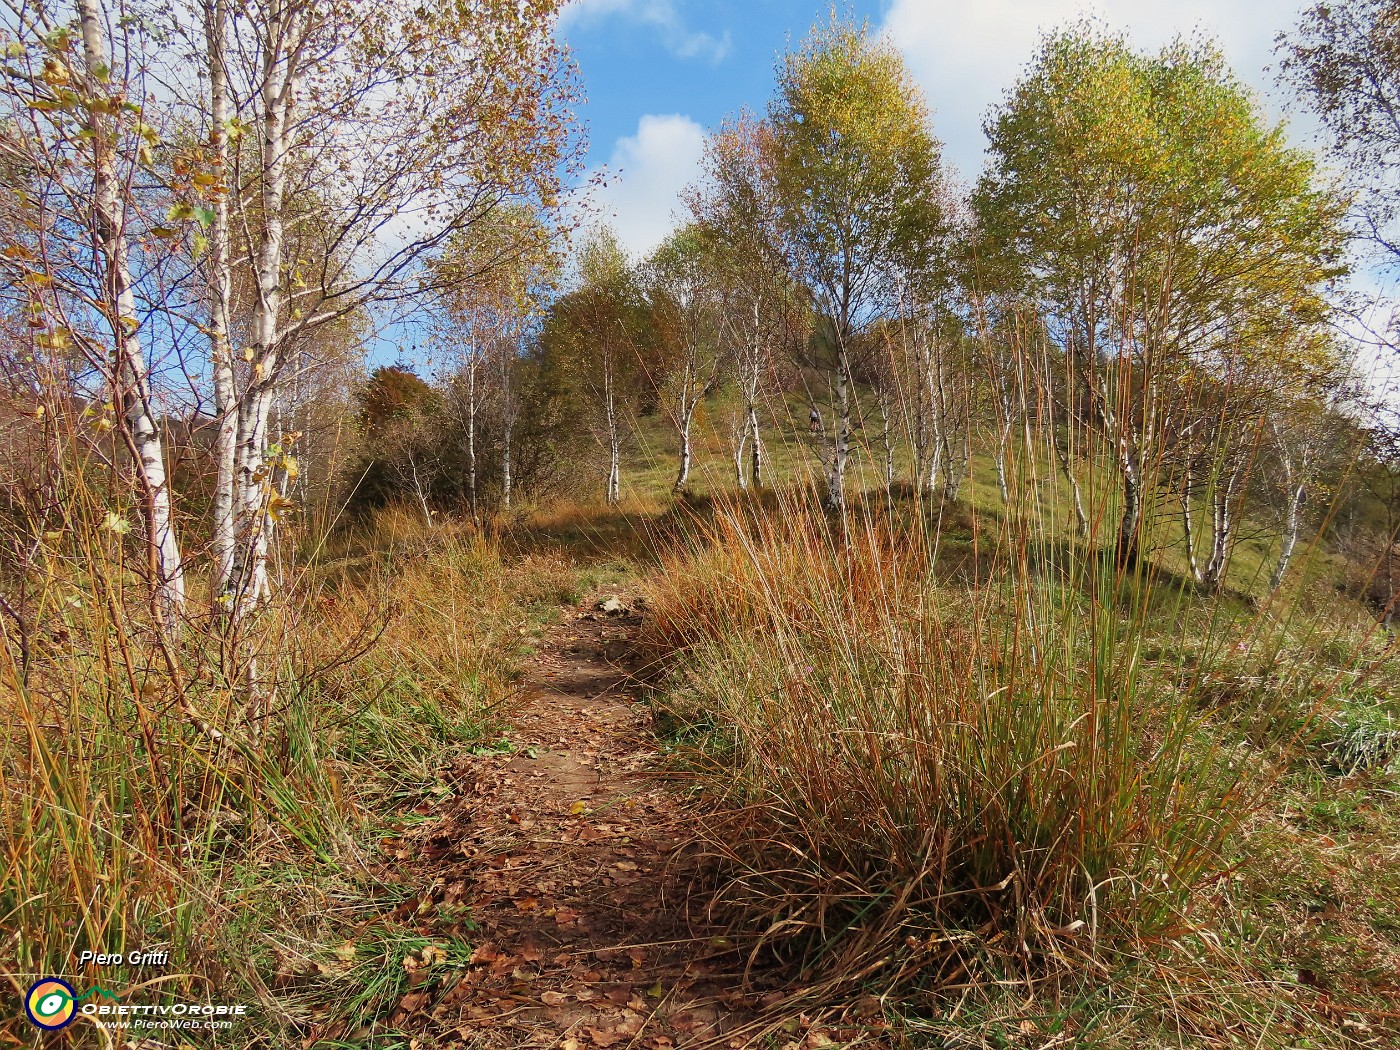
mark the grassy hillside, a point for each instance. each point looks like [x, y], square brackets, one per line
[792, 458]
[1238, 816]
[965, 784]
[1042, 801]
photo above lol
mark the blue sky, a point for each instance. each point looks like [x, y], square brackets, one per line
[703, 60]
[658, 73]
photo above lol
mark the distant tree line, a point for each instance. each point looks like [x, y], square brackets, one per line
[1144, 285]
[1146, 275]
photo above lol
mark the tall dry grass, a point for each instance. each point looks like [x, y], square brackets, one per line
[142, 811]
[947, 750]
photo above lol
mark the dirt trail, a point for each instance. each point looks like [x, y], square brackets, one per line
[570, 859]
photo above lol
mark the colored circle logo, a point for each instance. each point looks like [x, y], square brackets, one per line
[49, 1004]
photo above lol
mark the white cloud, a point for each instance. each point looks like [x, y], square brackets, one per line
[650, 169]
[965, 55]
[661, 14]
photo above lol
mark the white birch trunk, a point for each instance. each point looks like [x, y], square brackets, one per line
[751, 360]
[954, 465]
[1132, 504]
[471, 440]
[741, 478]
[281, 76]
[1001, 467]
[1004, 440]
[1126, 548]
[693, 389]
[756, 451]
[683, 472]
[1189, 529]
[420, 491]
[1295, 485]
[836, 471]
[130, 374]
[507, 429]
[1292, 523]
[219, 280]
[614, 488]
[614, 468]
[1081, 519]
[929, 355]
[1222, 531]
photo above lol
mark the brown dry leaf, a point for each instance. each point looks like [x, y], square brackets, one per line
[569, 1044]
[605, 1036]
[526, 904]
[485, 953]
[867, 1007]
[553, 998]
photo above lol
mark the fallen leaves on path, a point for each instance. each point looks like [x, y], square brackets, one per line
[585, 910]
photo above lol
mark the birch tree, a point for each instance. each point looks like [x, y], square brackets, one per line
[688, 324]
[1296, 461]
[1310, 443]
[945, 373]
[1157, 224]
[595, 330]
[735, 211]
[495, 278]
[1345, 58]
[218, 279]
[74, 89]
[856, 183]
[377, 133]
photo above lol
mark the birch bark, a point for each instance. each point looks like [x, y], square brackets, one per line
[131, 372]
[282, 70]
[219, 279]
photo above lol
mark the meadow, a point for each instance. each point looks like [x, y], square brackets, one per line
[894, 607]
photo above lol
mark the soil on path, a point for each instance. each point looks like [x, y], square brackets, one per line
[571, 859]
